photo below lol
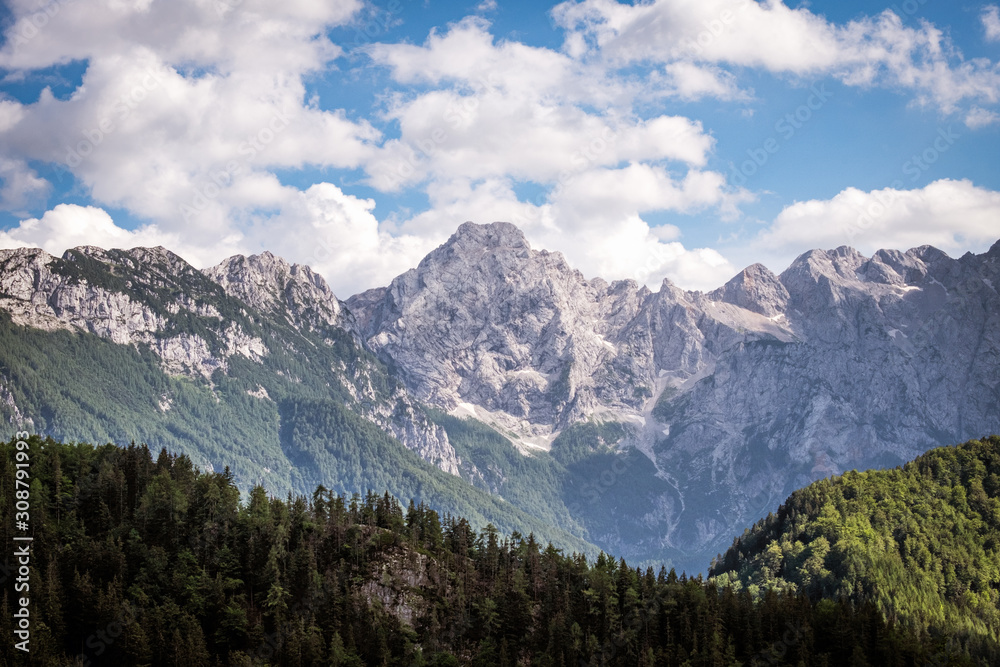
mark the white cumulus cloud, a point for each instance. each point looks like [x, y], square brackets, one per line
[869, 51]
[991, 23]
[69, 225]
[953, 215]
[192, 114]
[185, 109]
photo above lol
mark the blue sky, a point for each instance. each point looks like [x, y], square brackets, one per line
[672, 139]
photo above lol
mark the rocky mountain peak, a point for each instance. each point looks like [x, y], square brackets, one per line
[756, 289]
[21, 270]
[155, 259]
[21, 256]
[838, 264]
[486, 317]
[153, 267]
[494, 255]
[91, 251]
[734, 397]
[257, 280]
[270, 284]
[929, 254]
[819, 279]
[892, 267]
[498, 252]
[994, 251]
[490, 236]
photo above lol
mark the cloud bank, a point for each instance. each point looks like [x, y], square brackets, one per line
[201, 120]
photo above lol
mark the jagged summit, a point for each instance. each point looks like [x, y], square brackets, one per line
[734, 397]
[812, 265]
[756, 289]
[516, 312]
[490, 235]
[150, 256]
[473, 239]
[270, 283]
[929, 254]
[499, 248]
[90, 251]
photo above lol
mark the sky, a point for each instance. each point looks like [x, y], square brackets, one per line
[677, 139]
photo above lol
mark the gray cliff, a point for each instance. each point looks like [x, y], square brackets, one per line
[145, 296]
[738, 396]
[732, 398]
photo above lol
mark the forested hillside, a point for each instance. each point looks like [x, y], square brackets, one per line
[587, 483]
[143, 561]
[313, 408]
[598, 415]
[921, 542]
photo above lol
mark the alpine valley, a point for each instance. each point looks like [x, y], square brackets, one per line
[495, 382]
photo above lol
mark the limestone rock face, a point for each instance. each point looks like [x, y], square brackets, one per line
[301, 297]
[130, 299]
[759, 387]
[736, 397]
[756, 289]
[269, 284]
[149, 296]
[485, 320]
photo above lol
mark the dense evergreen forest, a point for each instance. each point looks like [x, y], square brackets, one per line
[143, 560]
[921, 542]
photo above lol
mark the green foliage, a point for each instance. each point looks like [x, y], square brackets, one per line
[921, 542]
[607, 488]
[331, 445]
[143, 562]
[581, 441]
[76, 386]
[530, 482]
[585, 484]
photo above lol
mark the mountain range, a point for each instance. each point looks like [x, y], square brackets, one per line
[495, 381]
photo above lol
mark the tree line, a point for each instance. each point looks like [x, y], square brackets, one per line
[143, 560]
